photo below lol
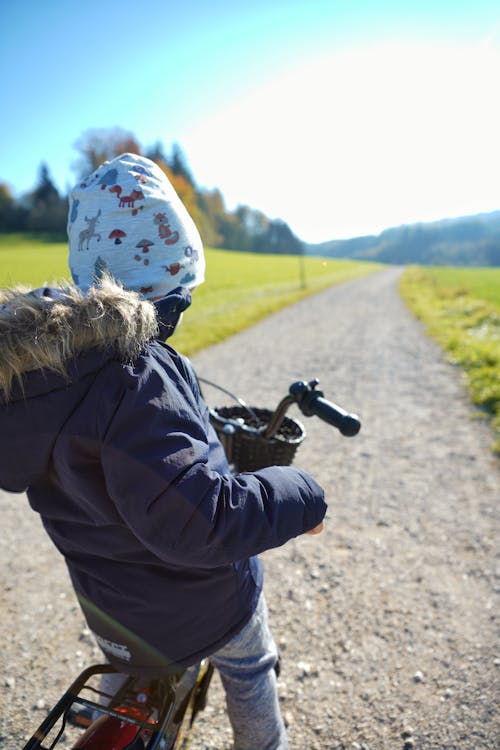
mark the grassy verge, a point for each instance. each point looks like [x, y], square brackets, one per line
[461, 310]
[240, 288]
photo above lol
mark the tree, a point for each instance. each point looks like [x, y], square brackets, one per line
[47, 211]
[254, 225]
[278, 238]
[178, 164]
[102, 144]
[12, 215]
[45, 191]
[211, 204]
[157, 153]
[491, 250]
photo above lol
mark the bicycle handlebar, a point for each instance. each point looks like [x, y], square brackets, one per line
[348, 424]
[312, 403]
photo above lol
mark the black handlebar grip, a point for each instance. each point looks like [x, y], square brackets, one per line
[348, 424]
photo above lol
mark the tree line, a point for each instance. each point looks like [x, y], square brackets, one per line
[44, 209]
[464, 241]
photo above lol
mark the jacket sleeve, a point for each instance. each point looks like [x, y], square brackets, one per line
[156, 468]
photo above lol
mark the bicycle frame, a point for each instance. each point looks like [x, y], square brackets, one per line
[143, 715]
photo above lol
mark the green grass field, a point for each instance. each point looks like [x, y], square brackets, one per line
[240, 288]
[27, 260]
[481, 283]
[461, 310]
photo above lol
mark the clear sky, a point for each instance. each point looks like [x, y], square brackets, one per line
[340, 117]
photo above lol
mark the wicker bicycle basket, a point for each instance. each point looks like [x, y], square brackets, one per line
[241, 434]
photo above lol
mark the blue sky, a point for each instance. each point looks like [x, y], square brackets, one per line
[341, 118]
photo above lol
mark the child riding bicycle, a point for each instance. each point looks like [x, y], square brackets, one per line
[103, 424]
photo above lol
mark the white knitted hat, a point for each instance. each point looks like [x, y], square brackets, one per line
[126, 219]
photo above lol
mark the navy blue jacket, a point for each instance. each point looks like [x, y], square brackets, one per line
[118, 456]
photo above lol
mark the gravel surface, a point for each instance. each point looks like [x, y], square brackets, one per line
[386, 621]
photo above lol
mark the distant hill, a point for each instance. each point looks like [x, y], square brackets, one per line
[464, 241]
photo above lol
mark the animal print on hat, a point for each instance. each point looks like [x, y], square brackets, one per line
[126, 219]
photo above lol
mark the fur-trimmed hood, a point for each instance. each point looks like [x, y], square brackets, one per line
[48, 328]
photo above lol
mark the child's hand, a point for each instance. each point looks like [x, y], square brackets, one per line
[317, 529]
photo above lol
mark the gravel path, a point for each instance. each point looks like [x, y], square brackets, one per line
[386, 621]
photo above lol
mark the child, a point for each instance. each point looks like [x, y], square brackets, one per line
[120, 460]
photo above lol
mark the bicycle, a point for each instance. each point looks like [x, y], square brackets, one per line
[145, 714]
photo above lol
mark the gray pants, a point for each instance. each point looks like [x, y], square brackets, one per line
[246, 665]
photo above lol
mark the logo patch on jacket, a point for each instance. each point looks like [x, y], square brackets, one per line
[118, 650]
